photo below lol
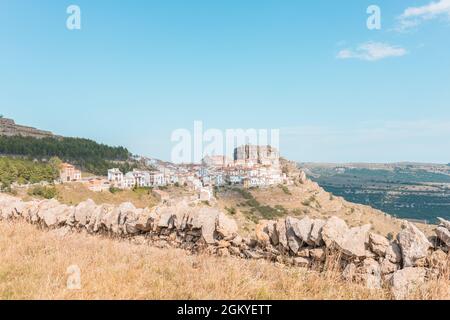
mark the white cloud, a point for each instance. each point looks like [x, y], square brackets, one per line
[414, 16]
[372, 51]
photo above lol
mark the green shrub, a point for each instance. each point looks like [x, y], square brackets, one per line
[285, 190]
[44, 192]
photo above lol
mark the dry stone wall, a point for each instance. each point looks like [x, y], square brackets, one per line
[364, 257]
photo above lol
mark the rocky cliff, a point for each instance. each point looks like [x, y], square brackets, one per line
[9, 128]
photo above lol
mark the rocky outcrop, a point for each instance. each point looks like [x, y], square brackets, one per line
[407, 280]
[9, 128]
[413, 243]
[363, 256]
[443, 231]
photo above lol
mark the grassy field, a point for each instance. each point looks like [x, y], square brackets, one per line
[34, 265]
[74, 193]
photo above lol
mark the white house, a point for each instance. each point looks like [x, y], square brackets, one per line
[129, 181]
[115, 176]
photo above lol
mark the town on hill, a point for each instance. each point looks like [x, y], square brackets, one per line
[256, 207]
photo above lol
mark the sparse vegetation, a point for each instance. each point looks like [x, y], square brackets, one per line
[285, 189]
[46, 192]
[231, 210]
[112, 269]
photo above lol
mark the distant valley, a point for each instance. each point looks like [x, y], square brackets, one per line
[413, 191]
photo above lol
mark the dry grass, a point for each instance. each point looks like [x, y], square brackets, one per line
[310, 200]
[34, 263]
[74, 193]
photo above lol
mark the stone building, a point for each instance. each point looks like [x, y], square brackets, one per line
[68, 173]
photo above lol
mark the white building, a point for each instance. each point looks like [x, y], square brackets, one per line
[129, 181]
[115, 176]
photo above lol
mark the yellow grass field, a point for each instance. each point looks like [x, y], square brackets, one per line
[34, 265]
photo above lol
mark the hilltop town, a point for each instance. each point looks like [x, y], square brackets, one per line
[252, 166]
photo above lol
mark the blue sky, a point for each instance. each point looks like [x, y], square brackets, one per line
[138, 70]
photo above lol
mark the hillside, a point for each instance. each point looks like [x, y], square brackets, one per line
[407, 190]
[89, 155]
[306, 199]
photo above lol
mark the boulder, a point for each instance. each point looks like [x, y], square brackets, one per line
[302, 229]
[394, 253]
[439, 260]
[260, 233]
[56, 216]
[225, 226]
[334, 231]
[271, 230]
[294, 242]
[82, 214]
[301, 262]
[95, 222]
[369, 273]
[317, 254]
[406, 280]
[444, 223]
[413, 243]
[352, 242]
[443, 234]
[205, 219]
[110, 220]
[281, 232]
[387, 267]
[304, 253]
[316, 232]
[378, 244]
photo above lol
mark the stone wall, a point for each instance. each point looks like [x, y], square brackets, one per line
[360, 255]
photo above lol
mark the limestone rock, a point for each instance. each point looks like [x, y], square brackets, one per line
[82, 213]
[304, 253]
[444, 223]
[371, 274]
[444, 235]
[387, 267]
[413, 244]
[439, 260]
[302, 229]
[316, 232]
[333, 231]
[205, 219]
[294, 242]
[378, 244]
[281, 232]
[301, 262]
[56, 216]
[260, 233]
[394, 253]
[271, 230]
[225, 226]
[352, 242]
[405, 281]
[318, 254]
